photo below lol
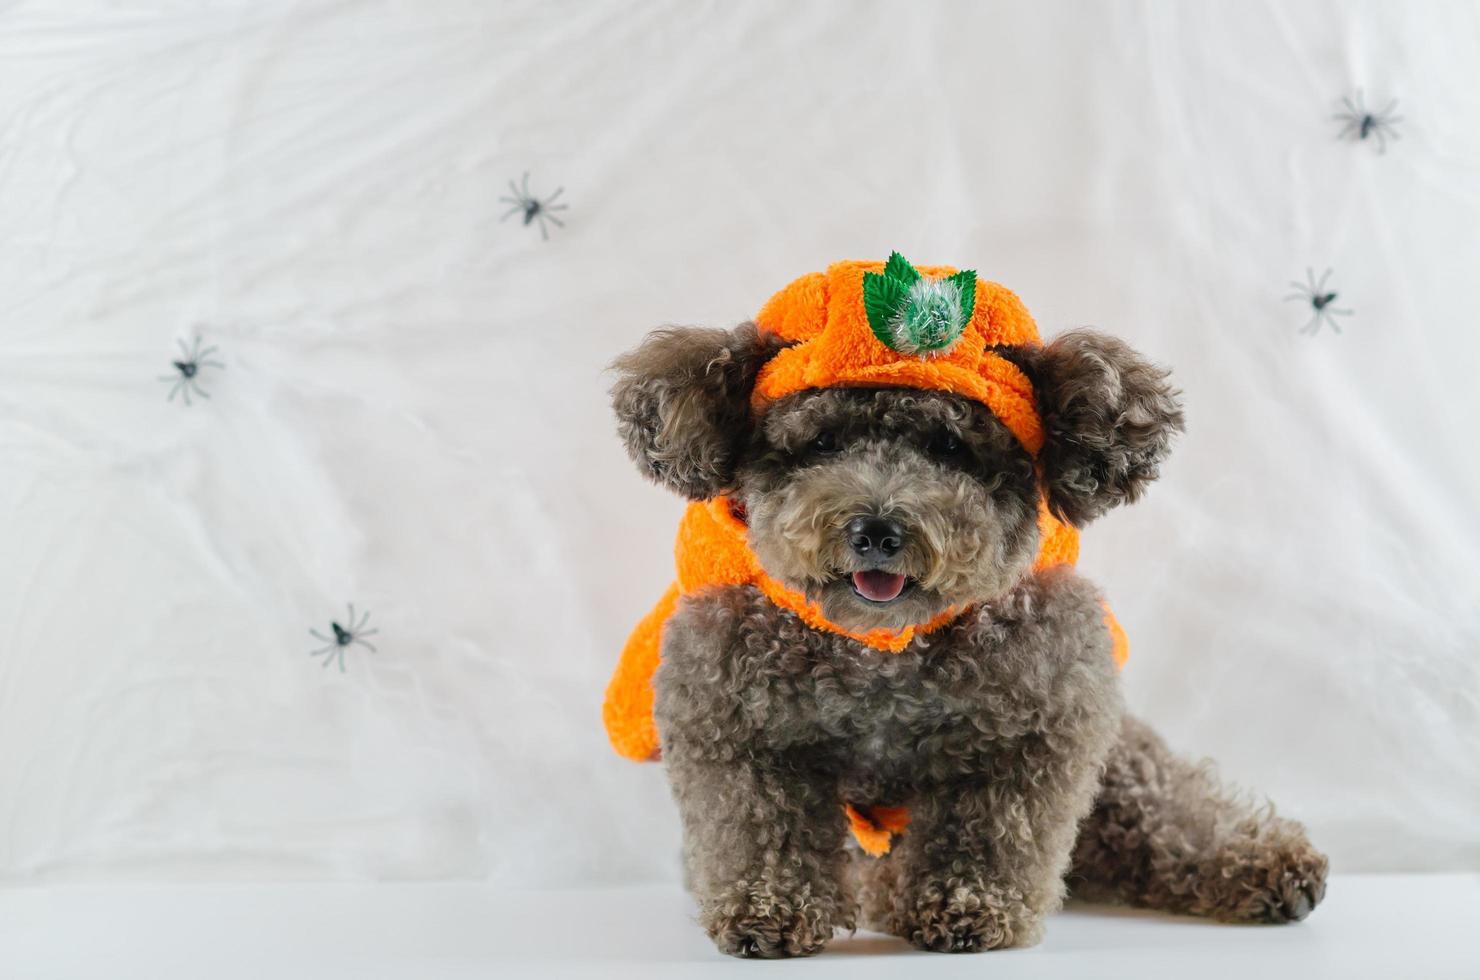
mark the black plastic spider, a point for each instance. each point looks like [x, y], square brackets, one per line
[1320, 301]
[192, 359]
[1360, 123]
[343, 638]
[532, 207]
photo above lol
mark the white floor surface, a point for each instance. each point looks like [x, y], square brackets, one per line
[1390, 926]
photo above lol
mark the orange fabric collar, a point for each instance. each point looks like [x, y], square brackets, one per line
[712, 549]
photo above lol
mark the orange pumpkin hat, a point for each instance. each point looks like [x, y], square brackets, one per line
[858, 324]
[889, 324]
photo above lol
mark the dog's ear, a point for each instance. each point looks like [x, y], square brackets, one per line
[682, 400]
[1109, 416]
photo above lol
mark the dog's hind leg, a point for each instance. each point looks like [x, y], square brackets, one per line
[1164, 834]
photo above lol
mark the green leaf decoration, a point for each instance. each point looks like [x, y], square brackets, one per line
[898, 267]
[883, 298]
[914, 315]
[967, 281]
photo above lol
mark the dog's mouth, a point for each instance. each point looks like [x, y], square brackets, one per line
[876, 585]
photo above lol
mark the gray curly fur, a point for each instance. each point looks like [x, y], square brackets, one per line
[1002, 732]
[1166, 835]
[992, 731]
[682, 404]
[1109, 416]
[971, 519]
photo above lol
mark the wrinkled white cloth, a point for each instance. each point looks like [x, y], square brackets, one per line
[411, 412]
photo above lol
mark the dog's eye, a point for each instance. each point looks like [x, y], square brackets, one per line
[825, 442]
[945, 444]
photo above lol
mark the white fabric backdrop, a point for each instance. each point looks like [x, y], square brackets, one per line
[412, 418]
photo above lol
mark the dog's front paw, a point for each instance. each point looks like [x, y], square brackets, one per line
[757, 925]
[959, 916]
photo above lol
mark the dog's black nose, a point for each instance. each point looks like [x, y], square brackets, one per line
[875, 537]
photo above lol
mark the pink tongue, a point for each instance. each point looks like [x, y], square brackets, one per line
[878, 586]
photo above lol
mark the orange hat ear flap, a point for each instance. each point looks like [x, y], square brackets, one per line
[1109, 416]
[682, 400]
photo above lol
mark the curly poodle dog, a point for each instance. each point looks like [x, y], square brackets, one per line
[986, 757]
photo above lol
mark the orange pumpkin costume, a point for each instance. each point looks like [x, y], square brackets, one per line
[832, 344]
